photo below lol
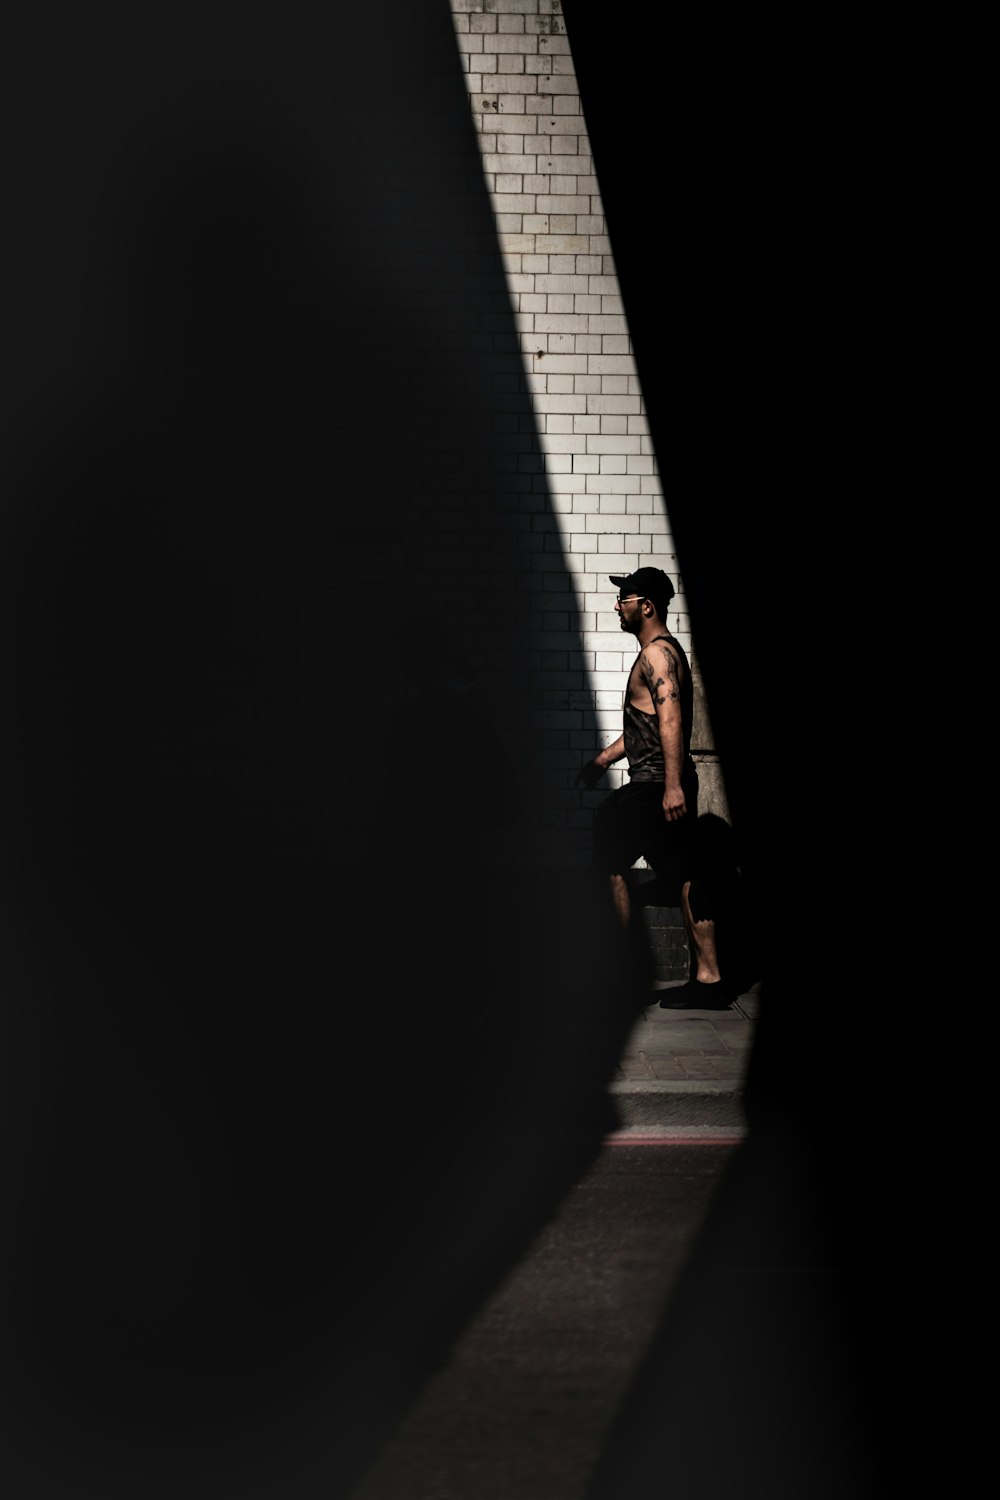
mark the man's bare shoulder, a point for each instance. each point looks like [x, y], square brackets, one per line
[662, 669]
[663, 647]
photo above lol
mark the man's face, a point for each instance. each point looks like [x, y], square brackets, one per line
[629, 607]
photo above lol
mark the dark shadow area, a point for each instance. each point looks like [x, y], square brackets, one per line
[263, 588]
[741, 308]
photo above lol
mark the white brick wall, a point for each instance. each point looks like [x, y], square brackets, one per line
[600, 475]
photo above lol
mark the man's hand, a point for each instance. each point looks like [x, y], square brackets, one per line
[674, 804]
[590, 773]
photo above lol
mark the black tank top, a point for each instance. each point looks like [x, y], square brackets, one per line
[642, 736]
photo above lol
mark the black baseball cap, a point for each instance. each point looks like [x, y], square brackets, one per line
[648, 583]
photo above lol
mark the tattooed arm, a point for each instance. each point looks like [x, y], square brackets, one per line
[661, 671]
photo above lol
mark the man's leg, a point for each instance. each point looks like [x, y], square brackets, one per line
[621, 899]
[621, 826]
[705, 989]
[700, 926]
[636, 958]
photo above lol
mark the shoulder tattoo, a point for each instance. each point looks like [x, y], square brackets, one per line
[662, 679]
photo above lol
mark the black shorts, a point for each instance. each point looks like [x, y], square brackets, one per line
[629, 823]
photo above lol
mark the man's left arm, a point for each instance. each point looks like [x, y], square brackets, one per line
[661, 669]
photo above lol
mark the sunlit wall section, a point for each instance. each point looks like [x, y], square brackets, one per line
[599, 469]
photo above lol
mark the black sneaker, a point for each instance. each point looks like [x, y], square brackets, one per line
[697, 995]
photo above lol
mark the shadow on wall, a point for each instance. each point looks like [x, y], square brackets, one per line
[257, 496]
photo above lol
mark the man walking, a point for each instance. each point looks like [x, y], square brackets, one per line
[654, 813]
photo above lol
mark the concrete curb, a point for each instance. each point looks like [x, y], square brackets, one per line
[678, 1105]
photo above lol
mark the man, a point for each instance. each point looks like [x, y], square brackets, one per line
[653, 814]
